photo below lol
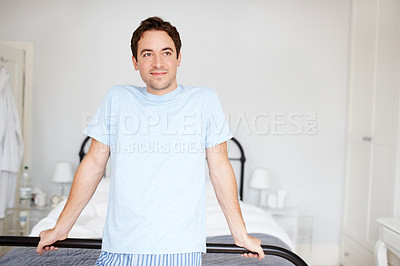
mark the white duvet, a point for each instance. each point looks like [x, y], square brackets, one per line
[91, 221]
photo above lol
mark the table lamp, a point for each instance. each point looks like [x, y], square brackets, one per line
[63, 174]
[260, 181]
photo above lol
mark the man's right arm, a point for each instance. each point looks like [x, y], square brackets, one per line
[86, 180]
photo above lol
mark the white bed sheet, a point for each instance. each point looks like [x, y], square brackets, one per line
[91, 221]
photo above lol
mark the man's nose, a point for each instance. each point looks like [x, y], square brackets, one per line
[157, 61]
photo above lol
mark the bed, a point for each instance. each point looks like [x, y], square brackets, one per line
[90, 224]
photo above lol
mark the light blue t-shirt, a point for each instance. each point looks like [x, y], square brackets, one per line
[157, 201]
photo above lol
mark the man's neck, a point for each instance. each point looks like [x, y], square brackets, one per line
[162, 91]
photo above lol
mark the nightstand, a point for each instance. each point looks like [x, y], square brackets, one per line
[20, 221]
[298, 227]
[389, 239]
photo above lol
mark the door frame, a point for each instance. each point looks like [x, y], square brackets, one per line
[27, 47]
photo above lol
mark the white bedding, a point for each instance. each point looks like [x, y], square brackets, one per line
[91, 221]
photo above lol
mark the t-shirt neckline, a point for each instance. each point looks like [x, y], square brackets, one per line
[164, 97]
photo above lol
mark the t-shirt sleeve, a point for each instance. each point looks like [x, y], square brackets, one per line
[217, 129]
[99, 126]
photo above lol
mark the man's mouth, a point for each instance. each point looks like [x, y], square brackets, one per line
[158, 73]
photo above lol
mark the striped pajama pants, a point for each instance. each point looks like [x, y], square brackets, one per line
[180, 259]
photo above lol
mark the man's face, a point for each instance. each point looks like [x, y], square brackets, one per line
[157, 61]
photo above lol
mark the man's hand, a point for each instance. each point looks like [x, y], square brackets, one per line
[86, 180]
[224, 183]
[252, 244]
[47, 238]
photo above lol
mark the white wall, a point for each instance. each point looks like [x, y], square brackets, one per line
[263, 58]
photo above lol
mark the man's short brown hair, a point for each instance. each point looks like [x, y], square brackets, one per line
[155, 23]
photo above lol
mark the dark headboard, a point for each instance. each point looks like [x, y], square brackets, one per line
[242, 159]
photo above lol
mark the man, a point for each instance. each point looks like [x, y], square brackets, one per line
[158, 138]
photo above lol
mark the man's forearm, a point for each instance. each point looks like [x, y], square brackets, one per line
[86, 179]
[224, 182]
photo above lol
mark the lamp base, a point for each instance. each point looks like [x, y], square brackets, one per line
[263, 198]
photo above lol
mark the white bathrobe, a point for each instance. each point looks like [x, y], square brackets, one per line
[11, 144]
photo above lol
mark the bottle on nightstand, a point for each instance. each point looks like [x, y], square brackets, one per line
[25, 190]
[25, 195]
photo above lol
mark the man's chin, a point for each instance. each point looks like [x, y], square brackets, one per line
[159, 87]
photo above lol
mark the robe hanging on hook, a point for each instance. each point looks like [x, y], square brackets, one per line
[2, 61]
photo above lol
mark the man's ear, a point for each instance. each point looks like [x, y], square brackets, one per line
[135, 63]
[179, 59]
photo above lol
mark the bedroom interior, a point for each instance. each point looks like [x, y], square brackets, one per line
[309, 88]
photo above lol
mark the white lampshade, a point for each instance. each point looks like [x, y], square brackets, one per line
[260, 179]
[63, 173]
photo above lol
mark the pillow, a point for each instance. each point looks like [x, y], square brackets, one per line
[100, 197]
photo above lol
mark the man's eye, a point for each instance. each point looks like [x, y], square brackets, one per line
[146, 54]
[167, 53]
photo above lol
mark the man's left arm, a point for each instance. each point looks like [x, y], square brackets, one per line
[224, 183]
